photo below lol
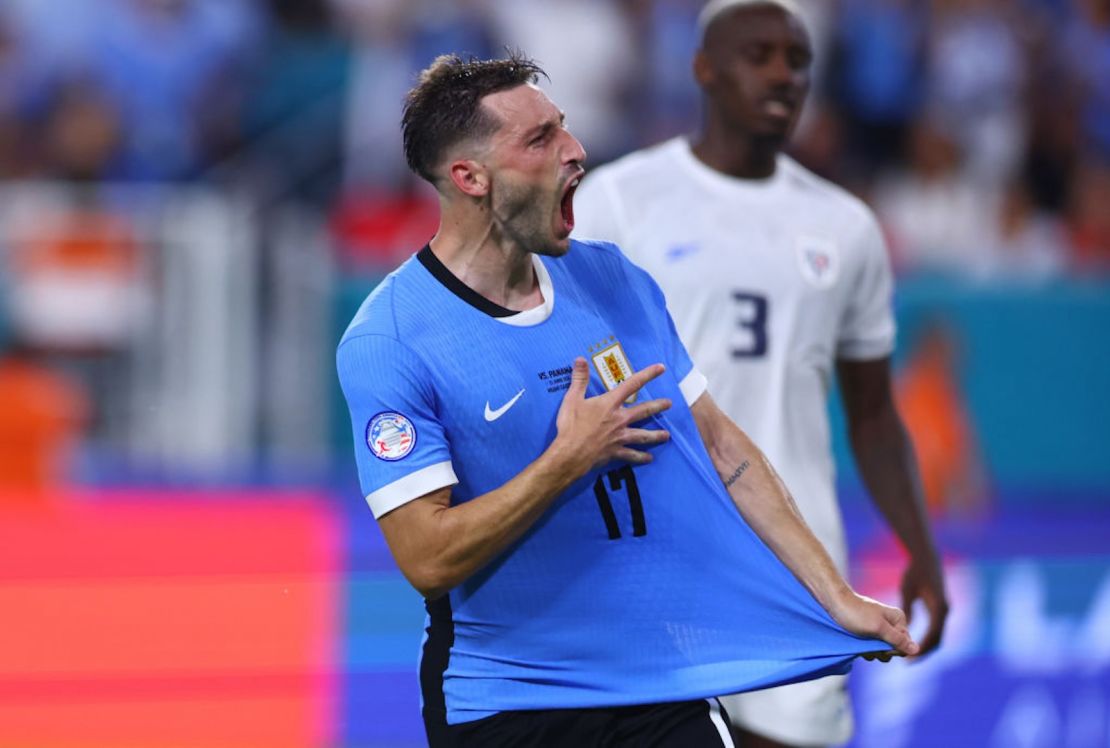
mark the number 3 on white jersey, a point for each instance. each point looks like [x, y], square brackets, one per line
[749, 339]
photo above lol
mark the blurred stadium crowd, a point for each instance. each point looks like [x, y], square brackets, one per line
[980, 129]
[149, 147]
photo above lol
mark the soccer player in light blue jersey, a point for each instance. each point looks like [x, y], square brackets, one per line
[601, 550]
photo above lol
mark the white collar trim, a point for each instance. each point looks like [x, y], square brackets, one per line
[537, 314]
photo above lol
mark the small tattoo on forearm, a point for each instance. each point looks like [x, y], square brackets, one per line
[736, 475]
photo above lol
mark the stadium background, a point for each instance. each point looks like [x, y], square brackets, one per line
[196, 194]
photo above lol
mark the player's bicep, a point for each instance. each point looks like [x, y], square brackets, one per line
[409, 528]
[725, 442]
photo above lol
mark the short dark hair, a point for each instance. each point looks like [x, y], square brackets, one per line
[444, 107]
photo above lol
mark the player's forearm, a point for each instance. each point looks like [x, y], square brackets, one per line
[452, 543]
[770, 511]
[885, 459]
[766, 505]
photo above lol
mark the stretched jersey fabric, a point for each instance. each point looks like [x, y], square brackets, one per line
[769, 282]
[639, 584]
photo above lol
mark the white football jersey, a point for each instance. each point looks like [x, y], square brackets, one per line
[769, 282]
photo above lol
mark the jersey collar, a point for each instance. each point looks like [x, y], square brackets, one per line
[527, 318]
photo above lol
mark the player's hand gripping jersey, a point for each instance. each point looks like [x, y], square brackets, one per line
[640, 584]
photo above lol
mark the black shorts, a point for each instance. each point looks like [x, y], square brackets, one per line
[680, 724]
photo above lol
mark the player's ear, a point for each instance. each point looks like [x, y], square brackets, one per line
[703, 69]
[469, 177]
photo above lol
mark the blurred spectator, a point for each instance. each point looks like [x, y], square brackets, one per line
[592, 64]
[375, 230]
[876, 78]
[1054, 141]
[666, 97]
[976, 84]
[394, 39]
[938, 219]
[173, 68]
[1028, 242]
[293, 115]
[1088, 47]
[81, 136]
[19, 86]
[56, 35]
[77, 285]
[1089, 218]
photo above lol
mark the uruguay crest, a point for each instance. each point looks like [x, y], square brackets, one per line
[390, 436]
[818, 260]
[611, 364]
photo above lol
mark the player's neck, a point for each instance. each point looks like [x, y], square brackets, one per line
[497, 270]
[740, 157]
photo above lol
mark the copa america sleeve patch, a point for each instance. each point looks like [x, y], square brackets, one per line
[390, 436]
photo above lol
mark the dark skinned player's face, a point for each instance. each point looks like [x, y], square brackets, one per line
[755, 67]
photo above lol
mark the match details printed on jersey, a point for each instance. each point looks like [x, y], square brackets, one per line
[556, 380]
[611, 364]
[390, 436]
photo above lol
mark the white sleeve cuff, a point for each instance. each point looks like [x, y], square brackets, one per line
[693, 386]
[865, 350]
[412, 486]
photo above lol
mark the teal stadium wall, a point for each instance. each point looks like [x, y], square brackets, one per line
[1034, 366]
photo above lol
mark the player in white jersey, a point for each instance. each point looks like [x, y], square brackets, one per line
[775, 278]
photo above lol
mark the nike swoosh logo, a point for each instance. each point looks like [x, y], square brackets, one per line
[493, 415]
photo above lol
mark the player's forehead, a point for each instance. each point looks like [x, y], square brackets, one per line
[521, 108]
[761, 22]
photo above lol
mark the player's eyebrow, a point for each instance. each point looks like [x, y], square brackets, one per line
[544, 127]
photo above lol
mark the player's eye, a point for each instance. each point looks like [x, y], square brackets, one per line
[799, 58]
[756, 54]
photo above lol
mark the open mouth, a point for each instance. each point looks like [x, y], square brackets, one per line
[567, 203]
[779, 107]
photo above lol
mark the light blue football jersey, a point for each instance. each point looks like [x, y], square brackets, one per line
[639, 584]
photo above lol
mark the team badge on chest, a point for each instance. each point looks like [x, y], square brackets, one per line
[818, 260]
[611, 364]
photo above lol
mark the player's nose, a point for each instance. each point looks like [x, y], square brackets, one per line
[779, 72]
[573, 152]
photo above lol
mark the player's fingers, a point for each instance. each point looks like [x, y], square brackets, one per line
[645, 436]
[641, 411]
[932, 637]
[579, 378]
[634, 456]
[632, 385]
[884, 656]
[931, 640]
[895, 617]
[899, 638]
